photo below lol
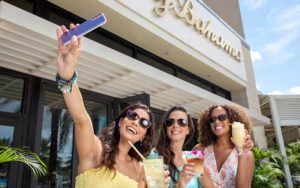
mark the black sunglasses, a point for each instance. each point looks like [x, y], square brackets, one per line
[132, 115]
[182, 122]
[221, 117]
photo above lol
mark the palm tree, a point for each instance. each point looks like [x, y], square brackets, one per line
[267, 172]
[23, 155]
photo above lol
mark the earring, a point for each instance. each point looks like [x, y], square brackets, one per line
[141, 143]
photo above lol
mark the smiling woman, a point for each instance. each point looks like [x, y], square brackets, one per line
[224, 165]
[109, 161]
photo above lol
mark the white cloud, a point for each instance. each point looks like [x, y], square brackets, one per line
[295, 90]
[275, 92]
[254, 4]
[285, 21]
[278, 45]
[255, 56]
[290, 13]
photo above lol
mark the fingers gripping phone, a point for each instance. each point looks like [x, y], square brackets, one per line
[84, 28]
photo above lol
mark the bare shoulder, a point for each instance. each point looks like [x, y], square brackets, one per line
[140, 171]
[199, 147]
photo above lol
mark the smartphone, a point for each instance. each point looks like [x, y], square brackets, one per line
[84, 28]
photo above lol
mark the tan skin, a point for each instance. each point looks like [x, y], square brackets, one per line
[177, 135]
[222, 149]
[89, 147]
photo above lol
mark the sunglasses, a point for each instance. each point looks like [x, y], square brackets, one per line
[182, 122]
[221, 117]
[132, 115]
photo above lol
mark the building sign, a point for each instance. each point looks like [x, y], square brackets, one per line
[186, 11]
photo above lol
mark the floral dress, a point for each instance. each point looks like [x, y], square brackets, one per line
[225, 178]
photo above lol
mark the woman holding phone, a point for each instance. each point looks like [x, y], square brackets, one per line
[109, 161]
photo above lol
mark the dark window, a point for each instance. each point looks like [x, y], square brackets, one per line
[11, 93]
[158, 114]
[194, 81]
[155, 63]
[23, 4]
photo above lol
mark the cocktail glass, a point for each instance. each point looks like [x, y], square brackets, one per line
[196, 157]
[154, 170]
[238, 135]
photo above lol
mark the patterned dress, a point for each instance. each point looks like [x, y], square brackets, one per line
[225, 178]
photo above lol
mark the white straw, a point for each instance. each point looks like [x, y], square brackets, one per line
[136, 150]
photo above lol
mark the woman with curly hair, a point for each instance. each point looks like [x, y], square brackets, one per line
[224, 166]
[177, 129]
[109, 161]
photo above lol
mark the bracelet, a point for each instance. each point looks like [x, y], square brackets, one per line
[242, 153]
[66, 86]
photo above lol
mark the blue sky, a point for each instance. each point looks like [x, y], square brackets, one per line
[272, 29]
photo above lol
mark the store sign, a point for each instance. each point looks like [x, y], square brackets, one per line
[186, 11]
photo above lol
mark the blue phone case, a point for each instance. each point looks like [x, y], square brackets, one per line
[84, 28]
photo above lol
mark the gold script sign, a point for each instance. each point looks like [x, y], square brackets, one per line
[186, 11]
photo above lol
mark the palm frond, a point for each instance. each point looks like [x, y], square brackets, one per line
[23, 155]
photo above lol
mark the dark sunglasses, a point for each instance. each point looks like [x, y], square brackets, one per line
[221, 117]
[132, 115]
[181, 122]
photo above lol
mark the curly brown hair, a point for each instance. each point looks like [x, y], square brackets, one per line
[234, 113]
[111, 137]
[163, 143]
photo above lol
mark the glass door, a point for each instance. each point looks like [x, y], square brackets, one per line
[57, 147]
[11, 122]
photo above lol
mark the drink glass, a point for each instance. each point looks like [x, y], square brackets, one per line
[196, 157]
[238, 135]
[154, 170]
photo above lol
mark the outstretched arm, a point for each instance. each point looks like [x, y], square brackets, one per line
[88, 145]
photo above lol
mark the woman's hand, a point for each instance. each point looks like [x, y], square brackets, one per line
[186, 174]
[248, 144]
[167, 176]
[205, 180]
[67, 55]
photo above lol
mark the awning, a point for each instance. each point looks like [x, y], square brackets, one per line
[28, 45]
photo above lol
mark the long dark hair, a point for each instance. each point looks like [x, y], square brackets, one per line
[111, 137]
[163, 145]
[234, 113]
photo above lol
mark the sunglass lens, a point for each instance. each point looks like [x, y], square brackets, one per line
[222, 117]
[145, 123]
[182, 122]
[132, 115]
[170, 122]
[212, 119]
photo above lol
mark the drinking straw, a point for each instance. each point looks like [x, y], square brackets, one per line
[136, 150]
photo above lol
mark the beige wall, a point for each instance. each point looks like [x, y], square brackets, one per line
[248, 97]
[251, 90]
[259, 137]
[229, 11]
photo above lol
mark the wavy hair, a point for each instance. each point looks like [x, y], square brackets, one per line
[234, 113]
[111, 137]
[163, 143]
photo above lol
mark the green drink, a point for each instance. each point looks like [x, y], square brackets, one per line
[154, 170]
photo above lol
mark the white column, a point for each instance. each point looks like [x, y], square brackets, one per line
[279, 139]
